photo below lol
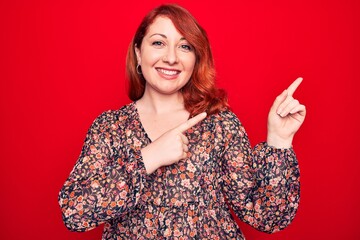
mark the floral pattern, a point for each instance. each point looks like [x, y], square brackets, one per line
[187, 200]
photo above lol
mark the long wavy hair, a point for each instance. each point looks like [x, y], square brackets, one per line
[200, 93]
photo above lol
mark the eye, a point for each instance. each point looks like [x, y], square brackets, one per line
[186, 47]
[157, 43]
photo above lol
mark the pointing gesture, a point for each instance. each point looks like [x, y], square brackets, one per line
[292, 88]
[190, 123]
[170, 147]
[285, 117]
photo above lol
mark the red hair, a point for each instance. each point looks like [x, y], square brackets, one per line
[200, 93]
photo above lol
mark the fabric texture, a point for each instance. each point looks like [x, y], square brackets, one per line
[187, 200]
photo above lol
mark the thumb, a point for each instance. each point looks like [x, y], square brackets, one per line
[279, 99]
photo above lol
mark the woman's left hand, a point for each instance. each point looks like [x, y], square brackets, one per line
[285, 117]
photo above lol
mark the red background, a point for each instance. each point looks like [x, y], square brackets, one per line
[62, 64]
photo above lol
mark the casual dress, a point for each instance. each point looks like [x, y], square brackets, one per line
[187, 200]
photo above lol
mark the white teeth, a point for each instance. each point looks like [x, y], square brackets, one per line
[168, 72]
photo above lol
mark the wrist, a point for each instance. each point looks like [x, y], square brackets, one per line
[278, 141]
[149, 163]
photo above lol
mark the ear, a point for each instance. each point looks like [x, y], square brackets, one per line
[138, 54]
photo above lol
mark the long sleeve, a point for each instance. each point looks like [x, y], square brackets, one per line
[108, 178]
[261, 184]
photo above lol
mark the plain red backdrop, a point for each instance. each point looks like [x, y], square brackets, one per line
[62, 64]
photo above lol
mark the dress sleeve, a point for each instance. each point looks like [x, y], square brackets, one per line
[261, 184]
[106, 181]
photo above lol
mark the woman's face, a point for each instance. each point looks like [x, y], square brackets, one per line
[167, 60]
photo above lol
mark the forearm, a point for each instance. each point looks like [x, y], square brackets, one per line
[266, 192]
[277, 190]
[87, 202]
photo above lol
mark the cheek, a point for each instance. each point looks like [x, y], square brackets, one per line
[151, 57]
[188, 61]
[191, 64]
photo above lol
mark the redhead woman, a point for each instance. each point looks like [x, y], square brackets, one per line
[171, 164]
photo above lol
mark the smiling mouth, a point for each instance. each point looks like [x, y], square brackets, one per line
[168, 72]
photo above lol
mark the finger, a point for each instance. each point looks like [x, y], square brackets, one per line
[279, 99]
[300, 109]
[283, 104]
[185, 148]
[291, 89]
[191, 122]
[286, 109]
[184, 139]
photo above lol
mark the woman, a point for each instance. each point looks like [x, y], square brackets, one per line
[151, 170]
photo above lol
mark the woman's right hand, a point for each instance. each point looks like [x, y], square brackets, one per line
[170, 147]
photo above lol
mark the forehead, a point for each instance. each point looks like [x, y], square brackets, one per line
[163, 25]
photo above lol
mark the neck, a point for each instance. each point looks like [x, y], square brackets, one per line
[161, 103]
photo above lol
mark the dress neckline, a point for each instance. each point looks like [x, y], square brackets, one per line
[137, 118]
[141, 126]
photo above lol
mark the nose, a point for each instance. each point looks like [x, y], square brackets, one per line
[170, 56]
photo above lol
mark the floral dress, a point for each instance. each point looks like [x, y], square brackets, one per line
[187, 200]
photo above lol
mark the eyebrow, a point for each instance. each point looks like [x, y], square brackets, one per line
[164, 36]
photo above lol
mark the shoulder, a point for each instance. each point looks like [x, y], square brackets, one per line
[113, 119]
[225, 117]
[227, 122]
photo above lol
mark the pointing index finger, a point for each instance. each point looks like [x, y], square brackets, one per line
[191, 122]
[291, 89]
